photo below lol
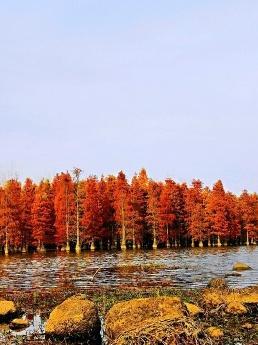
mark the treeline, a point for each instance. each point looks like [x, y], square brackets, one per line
[69, 213]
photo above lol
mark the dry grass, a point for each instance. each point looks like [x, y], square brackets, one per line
[165, 332]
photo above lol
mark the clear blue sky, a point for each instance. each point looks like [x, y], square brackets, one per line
[108, 85]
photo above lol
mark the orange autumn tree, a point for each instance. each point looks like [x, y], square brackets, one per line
[110, 218]
[27, 200]
[178, 231]
[195, 213]
[138, 202]
[217, 213]
[12, 212]
[153, 210]
[92, 212]
[122, 207]
[137, 212]
[249, 216]
[43, 216]
[234, 219]
[167, 211]
[107, 212]
[64, 206]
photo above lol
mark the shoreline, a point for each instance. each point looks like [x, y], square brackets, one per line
[43, 302]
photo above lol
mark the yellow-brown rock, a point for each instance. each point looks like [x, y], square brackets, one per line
[214, 297]
[218, 283]
[7, 309]
[241, 266]
[125, 316]
[247, 325]
[19, 323]
[74, 318]
[193, 309]
[215, 332]
[236, 308]
[249, 298]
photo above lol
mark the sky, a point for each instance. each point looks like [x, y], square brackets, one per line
[169, 85]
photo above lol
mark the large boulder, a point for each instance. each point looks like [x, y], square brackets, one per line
[7, 310]
[75, 318]
[241, 266]
[124, 317]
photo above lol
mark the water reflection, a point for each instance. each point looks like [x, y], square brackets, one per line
[178, 268]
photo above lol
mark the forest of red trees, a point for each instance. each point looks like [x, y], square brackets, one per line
[70, 213]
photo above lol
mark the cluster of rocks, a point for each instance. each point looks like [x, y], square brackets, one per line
[9, 313]
[153, 320]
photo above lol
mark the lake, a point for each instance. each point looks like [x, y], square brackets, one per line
[188, 268]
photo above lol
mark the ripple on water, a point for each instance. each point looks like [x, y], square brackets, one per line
[180, 268]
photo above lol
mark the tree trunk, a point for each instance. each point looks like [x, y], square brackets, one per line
[123, 243]
[92, 246]
[67, 248]
[154, 244]
[247, 238]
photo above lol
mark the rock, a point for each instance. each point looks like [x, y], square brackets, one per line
[236, 308]
[247, 325]
[249, 298]
[233, 274]
[241, 266]
[75, 318]
[143, 312]
[217, 283]
[7, 310]
[215, 332]
[193, 309]
[213, 297]
[19, 324]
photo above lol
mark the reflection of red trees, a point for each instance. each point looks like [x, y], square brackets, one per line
[142, 212]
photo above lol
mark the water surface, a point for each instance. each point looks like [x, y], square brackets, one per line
[188, 268]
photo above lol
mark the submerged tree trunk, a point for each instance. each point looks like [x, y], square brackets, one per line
[154, 244]
[247, 238]
[192, 244]
[167, 243]
[123, 243]
[92, 245]
[134, 245]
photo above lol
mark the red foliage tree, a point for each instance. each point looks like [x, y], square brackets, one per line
[27, 199]
[43, 216]
[195, 212]
[153, 210]
[64, 206]
[249, 216]
[13, 214]
[122, 207]
[92, 212]
[167, 211]
[218, 212]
